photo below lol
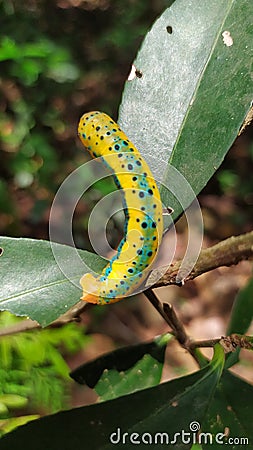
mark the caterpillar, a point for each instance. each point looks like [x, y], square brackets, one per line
[143, 228]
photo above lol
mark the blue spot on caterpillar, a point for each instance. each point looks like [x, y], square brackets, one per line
[143, 229]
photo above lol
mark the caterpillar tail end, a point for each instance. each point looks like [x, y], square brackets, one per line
[90, 289]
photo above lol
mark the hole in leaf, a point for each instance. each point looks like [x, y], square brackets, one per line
[168, 211]
[169, 29]
[138, 73]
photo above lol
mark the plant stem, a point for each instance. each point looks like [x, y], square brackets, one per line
[169, 315]
[226, 253]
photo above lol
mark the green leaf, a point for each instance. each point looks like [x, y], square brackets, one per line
[241, 318]
[242, 312]
[125, 370]
[8, 49]
[13, 400]
[168, 408]
[8, 425]
[32, 283]
[192, 93]
[121, 359]
[3, 409]
[146, 373]
[231, 411]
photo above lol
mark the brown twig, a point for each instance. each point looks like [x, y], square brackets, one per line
[158, 306]
[24, 325]
[229, 343]
[176, 325]
[205, 343]
[169, 314]
[226, 253]
[72, 315]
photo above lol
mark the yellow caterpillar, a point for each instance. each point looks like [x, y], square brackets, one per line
[143, 230]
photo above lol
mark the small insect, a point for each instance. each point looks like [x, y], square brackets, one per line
[142, 205]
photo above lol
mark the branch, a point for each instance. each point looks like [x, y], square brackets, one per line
[229, 343]
[72, 315]
[24, 325]
[169, 314]
[226, 253]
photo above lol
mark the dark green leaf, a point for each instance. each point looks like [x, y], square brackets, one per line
[145, 373]
[242, 312]
[169, 408]
[231, 412]
[121, 359]
[33, 285]
[125, 370]
[241, 318]
[192, 92]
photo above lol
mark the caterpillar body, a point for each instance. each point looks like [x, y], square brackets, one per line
[142, 205]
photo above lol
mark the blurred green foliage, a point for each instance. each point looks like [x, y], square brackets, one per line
[58, 59]
[34, 375]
